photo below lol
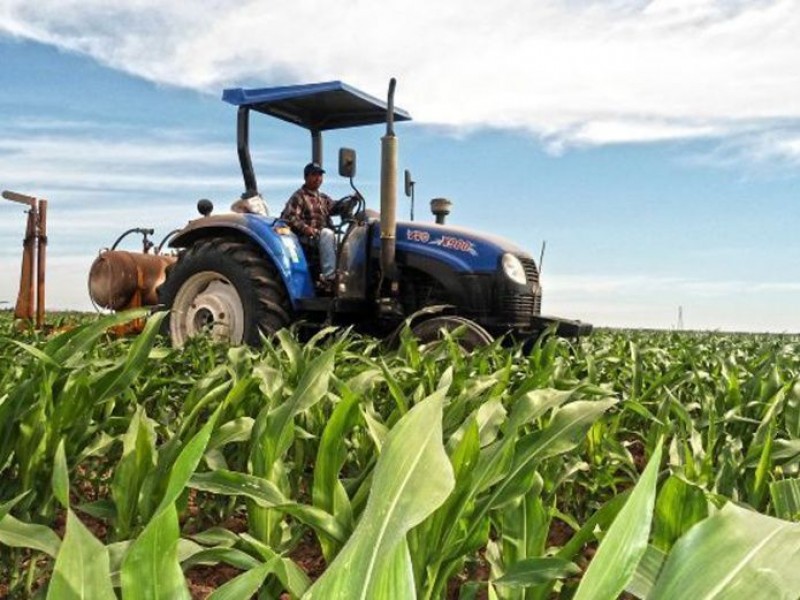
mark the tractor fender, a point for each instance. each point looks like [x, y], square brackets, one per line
[271, 235]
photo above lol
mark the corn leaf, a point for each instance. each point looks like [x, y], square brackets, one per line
[785, 496]
[566, 430]
[679, 507]
[138, 458]
[267, 495]
[535, 571]
[121, 376]
[625, 543]
[246, 584]
[82, 569]
[412, 478]
[69, 348]
[17, 534]
[647, 571]
[734, 554]
[151, 568]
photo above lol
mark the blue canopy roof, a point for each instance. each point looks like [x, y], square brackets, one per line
[316, 106]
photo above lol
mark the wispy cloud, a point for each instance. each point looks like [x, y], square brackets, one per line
[77, 164]
[583, 72]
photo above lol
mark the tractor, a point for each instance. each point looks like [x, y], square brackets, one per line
[244, 274]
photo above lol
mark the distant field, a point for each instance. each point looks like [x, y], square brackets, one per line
[336, 466]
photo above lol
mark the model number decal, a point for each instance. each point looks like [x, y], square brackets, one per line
[417, 235]
[446, 241]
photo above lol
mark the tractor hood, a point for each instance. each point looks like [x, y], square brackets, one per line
[462, 249]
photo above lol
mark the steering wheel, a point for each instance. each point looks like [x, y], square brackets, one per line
[352, 203]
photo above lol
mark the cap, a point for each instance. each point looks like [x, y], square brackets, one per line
[312, 167]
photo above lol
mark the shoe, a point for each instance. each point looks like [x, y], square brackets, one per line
[326, 283]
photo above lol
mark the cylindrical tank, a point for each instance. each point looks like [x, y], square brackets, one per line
[116, 276]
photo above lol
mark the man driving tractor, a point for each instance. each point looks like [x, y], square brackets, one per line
[308, 213]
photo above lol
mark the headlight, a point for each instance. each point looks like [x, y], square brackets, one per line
[513, 269]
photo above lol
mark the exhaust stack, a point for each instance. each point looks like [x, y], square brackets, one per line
[389, 192]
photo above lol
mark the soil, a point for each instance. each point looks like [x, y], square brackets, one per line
[203, 580]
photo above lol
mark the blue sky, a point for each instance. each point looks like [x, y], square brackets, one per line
[655, 145]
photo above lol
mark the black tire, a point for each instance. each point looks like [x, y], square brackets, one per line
[228, 287]
[473, 336]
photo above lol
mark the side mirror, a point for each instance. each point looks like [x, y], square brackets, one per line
[409, 184]
[347, 162]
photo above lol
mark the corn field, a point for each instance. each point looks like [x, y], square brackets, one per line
[635, 464]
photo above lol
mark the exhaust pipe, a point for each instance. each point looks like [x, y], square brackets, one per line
[389, 193]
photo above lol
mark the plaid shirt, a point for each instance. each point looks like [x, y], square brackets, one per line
[307, 212]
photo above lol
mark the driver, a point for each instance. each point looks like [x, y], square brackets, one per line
[308, 213]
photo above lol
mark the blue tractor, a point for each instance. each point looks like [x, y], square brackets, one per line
[242, 275]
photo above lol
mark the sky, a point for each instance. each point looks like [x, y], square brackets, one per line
[653, 145]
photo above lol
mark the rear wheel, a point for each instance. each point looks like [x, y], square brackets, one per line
[225, 288]
[470, 338]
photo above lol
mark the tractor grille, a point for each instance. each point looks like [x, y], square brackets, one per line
[519, 308]
[531, 272]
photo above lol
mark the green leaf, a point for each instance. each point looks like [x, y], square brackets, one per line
[524, 526]
[138, 459]
[6, 507]
[785, 496]
[328, 493]
[82, 566]
[237, 430]
[535, 571]
[38, 354]
[61, 476]
[601, 519]
[151, 569]
[70, 347]
[119, 378]
[622, 548]
[266, 494]
[734, 554]
[566, 430]
[412, 478]
[647, 571]
[17, 534]
[187, 461]
[536, 403]
[679, 507]
[291, 576]
[280, 424]
[229, 556]
[246, 584]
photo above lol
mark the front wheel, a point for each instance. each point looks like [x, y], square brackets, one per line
[472, 336]
[225, 288]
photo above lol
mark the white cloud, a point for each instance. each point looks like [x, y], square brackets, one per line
[77, 166]
[582, 72]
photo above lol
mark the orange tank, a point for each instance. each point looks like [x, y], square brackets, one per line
[119, 280]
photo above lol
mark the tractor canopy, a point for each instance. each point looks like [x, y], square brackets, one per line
[315, 106]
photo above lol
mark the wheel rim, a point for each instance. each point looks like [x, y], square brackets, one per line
[207, 303]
